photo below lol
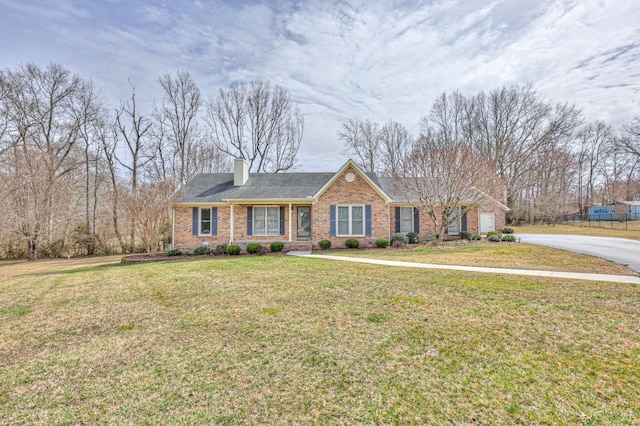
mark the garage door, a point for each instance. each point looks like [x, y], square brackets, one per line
[486, 222]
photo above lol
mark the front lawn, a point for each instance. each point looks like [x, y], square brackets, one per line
[633, 231]
[283, 340]
[495, 255]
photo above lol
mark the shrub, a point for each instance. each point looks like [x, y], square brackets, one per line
[382, 243]
[352, 243]
[54, 249]
[174, 252]
[493, 237]
[477, 237]
[399, 239]
[412, 238]
[202, 250]
[221, 249]
[490, 233]
[233, 249]
[464, 235]
[507, 230]
[276, 246]
[253, 248]
[510, 238]
[325, 244]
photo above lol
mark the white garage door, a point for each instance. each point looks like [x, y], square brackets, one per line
[486, 222]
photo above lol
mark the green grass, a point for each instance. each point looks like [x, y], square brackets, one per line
[281, 340]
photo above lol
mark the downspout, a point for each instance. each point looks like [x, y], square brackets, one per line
[290, 209]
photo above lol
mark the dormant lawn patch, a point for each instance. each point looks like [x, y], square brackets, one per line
[496, 255]
[292, 340]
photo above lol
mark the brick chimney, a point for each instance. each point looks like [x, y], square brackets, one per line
[241, 172]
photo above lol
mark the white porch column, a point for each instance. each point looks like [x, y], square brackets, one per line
[231, 225]
[290, 209]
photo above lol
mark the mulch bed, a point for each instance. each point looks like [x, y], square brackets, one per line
[162, 257]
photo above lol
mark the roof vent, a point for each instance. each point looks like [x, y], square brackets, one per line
[241, 172]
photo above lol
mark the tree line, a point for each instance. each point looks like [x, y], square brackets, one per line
[538, 157]
[78, 178]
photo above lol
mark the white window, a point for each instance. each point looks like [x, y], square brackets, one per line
[266, 221]
[351, 220]
[406, 219]
[205, 221]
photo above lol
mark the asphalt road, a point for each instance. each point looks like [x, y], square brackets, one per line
[619, 250]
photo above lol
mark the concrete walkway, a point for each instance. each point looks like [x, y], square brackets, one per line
[528, 272]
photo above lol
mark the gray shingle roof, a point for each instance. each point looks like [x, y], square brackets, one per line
[216, 187]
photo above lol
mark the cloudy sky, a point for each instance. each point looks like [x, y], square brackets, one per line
[342, 59]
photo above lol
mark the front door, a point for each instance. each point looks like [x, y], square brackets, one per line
[304, 221]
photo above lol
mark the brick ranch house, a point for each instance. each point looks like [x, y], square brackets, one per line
[301, 209]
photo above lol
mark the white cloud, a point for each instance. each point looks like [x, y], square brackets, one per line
[343, 59]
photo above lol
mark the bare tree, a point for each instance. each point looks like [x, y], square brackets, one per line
[395, 142]
[108, 140]
[258, 123]
[630, 140]
[375, 149]
[511, 126]
[445, 175]
[149, 207]
[133, 128]
[177, 121]
[91, 114]
[40, 105]
[362, 140]
[594, 140]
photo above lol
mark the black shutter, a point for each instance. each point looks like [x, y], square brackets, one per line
[332, 220]
[281, 220]
[214, 221]
[194, 222]
[397, 219]
[416, 220]
[249, 220]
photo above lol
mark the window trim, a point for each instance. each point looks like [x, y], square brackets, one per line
[457, 223]
[350, 220]
[412, 209]
[200, 209]
[266, 222]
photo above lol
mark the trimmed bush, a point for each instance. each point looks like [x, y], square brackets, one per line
[509, 238]
[495, 238]
[352, 243]
[174, 252]
[382, 243]
[492, 233]
[253, 248]
[412, 238]
[507, 230]
[325, 244]
[276, 246]
[399, 239]
[202, 250]
[477, 237]
[464, 235]
[233, 249]
[221, 249]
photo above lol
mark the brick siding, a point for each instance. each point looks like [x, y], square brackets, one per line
[341, 192]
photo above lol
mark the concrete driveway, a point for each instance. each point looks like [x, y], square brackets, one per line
[620, 250]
